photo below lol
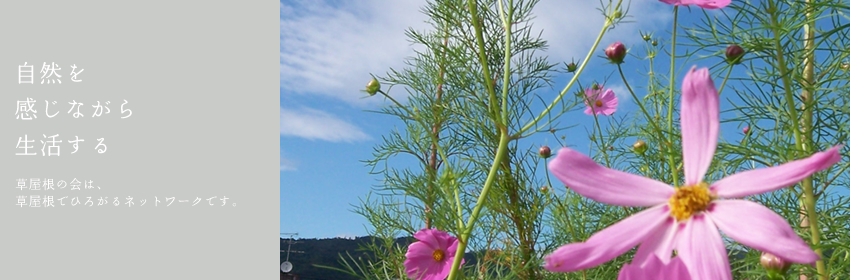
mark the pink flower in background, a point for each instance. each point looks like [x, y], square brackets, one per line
[705, 4]
[655, 269]
[686, 218]
[431, 257]
[600, 101]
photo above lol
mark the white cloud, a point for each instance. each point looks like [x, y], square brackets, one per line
[621, 92]
[330, 49]
[570, 29]
[318, 125]
[287, 164]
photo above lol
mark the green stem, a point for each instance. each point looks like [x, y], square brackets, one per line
[506, 72]
[608, 22]
[415, 117]
[786, 81]
[651, 84]
[439, 149]
[723, 84]
[649, 119]
[602, 145]
[808, 100]
[558, 200]
[642, 109]
[482, 57]
[672, 86]
[459, 209]
[463, 239]
[809, 200]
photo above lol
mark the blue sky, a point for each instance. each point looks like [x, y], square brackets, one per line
[328, 50]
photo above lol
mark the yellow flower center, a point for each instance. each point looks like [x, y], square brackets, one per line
[598, 103]
[439, 255]
[689, 200]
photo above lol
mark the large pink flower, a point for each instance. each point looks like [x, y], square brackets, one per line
[600, 101]
[706, 4]
[431, 257]
[655, 269]
[686, 218]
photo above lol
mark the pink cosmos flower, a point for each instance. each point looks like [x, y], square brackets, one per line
[686, 218]
[431, 257]
[600, 101]
[705, 4]
[655, 269]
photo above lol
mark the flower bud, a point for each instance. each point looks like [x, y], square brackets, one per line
[545, 152]
[734, 53]
[572, 67]
[746, 130]
[616, 52]
[654, 43]
[639, 146]
[610, 148]
[773, 264]
[646, 37]
[373, 86]
[770, 9]
[618, 13]
[544, 189]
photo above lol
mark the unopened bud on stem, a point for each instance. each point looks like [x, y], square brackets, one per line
[616, 52]
[639, 146]
[545, 152]
[775, 266]
[373, 87]
[572, 67]
[734, 53]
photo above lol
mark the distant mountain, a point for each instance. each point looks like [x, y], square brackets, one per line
[326, 252]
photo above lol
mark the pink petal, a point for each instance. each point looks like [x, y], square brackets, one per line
[757, 226]
[607, 111]
[415, 268]
[588, 111]
[626, 272]
[581, 174]
[712, 4]
[700, 119]
[438, 271]
[705, 4]
[659, 245]
[607, 95]
[607, 243]
[655, 269]
[609, 102]
[452, 250]
[427, 236]
[676, 270]
[763, 180]
[631, 272]
[418, 250]
[702, 251]
[650, 270]
[675, 2]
